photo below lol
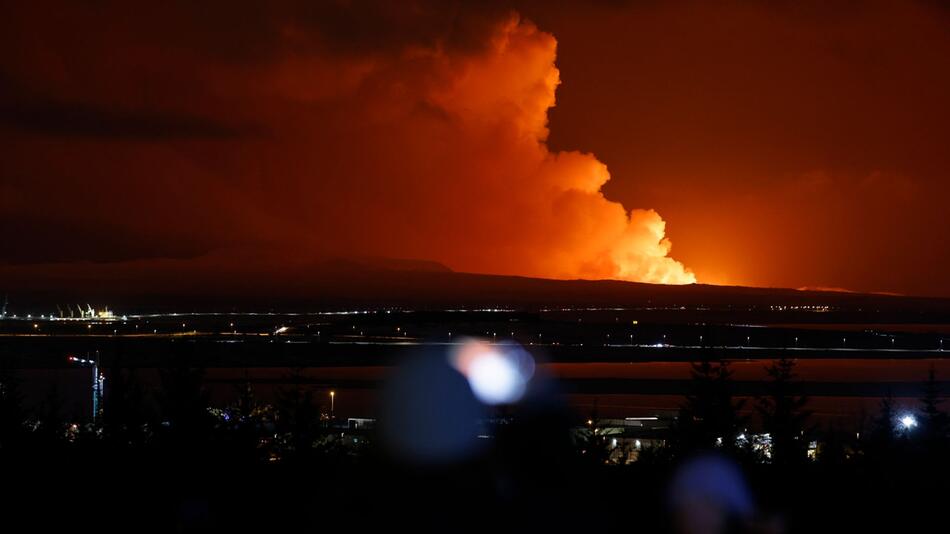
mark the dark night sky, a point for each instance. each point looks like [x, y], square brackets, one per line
[783, 144]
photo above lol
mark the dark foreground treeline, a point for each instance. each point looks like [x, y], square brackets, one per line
[165, 460]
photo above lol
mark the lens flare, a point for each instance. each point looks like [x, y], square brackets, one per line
[908, 422]
[497, 373]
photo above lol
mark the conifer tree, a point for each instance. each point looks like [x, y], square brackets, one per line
[709, 417]
[934, 423]
[783, 414]
[11, 409]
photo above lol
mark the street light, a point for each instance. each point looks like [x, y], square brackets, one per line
[332, 404]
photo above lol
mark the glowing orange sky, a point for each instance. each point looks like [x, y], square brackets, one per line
[770, 145]
[785, 144]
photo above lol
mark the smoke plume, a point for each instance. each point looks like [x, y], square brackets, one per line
[304, 141]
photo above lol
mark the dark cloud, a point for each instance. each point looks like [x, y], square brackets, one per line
[47, 240]
[387, 27]
[76, 119]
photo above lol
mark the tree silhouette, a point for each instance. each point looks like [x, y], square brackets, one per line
[125, 414]
[882, 445]
[709, 417]
[833, 450]
[247, 424]
[51, 429]
[591, 443]
[184, 405]
[934, 423]
[297, 417]
[11, 409]
[246, 404]
[783, 414]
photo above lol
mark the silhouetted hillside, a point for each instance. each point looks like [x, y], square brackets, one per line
[409, 283]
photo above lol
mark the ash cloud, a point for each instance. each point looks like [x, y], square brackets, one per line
[414, 132]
